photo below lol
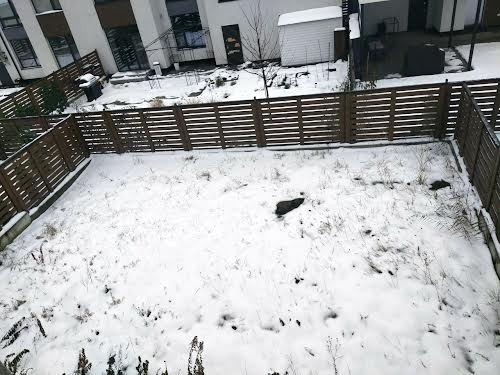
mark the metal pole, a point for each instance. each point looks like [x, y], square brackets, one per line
[452, 26]
[474, 33]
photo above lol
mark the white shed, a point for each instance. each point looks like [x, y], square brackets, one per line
[306, 37]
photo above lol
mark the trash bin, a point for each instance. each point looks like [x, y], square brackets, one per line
[90, 85]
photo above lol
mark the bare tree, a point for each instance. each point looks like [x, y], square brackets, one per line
[261, 43]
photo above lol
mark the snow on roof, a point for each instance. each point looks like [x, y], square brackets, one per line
[310, 15]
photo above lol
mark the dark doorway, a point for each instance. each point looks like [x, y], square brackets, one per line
[126, 46]
[232, 41]
[492, 13]
[417, 15]
[5, 76]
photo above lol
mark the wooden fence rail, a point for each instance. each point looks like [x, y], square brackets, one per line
[31, 96]
[30, 174]
[479, 146]
[381, 114]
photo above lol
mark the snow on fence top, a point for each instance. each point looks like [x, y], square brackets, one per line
[310, 15]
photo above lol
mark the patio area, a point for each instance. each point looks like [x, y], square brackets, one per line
[390, 61]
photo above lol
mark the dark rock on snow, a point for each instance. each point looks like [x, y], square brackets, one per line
[441, 184]
[285, 207]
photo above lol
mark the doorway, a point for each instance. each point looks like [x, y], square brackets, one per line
[126, 46]
[417, 15]
[492, 13]
[232, 42]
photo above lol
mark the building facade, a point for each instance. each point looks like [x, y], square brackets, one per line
[40, 36]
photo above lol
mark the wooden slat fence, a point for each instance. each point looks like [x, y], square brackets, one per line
[29, 175]
[380, 114]
[480, 149]
[64, 78]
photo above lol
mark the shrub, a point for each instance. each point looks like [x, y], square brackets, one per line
[54, 98]
[24, 111]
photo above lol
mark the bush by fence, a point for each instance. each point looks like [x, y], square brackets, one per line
[32, 173]
[32, 100]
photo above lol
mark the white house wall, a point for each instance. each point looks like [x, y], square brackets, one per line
[148, 15]
[443, 13]
[40, 45]
[373, 14]
[87, 31]
[231, 13]
[308, 42]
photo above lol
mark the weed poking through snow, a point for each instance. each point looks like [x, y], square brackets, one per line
[195, 360]
[13, 365]
[83, 366]
[334, 351]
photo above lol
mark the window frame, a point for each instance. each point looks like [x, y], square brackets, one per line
[181, 32]
[49, 10]
[31, 49]
[15, 16]
[75, 54]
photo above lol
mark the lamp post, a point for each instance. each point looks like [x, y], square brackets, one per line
[474, 34]
[452, 26]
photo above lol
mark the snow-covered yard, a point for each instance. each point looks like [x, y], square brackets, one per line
[243, 84]
[240, 84]
[374, 274]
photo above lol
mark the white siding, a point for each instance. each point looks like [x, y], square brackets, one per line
[308, 43]
[232, 12]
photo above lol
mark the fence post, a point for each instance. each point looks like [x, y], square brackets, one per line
[392, 115]
[15, 198]
[44, 123]
[146, 130]
[443, 110]
[258, 123]
[113, 133]
[466, 123]
[181, 125]
[62, 146]
[79, 136]
[36, 106]
[219, 126]
[493, 181]
[39, 169]
[496, 108]
[348, 133]
[300, 120]
[476, 154]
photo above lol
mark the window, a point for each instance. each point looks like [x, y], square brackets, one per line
[64, 49]
[42, 6]
[127, 48]
[8, 14]
[25, 53]
[188, 31]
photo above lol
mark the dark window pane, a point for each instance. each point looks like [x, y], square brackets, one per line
[127, 48]
[25, 53]
[188, 31]
[46, 5]
[8, 15]
[64, 49]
